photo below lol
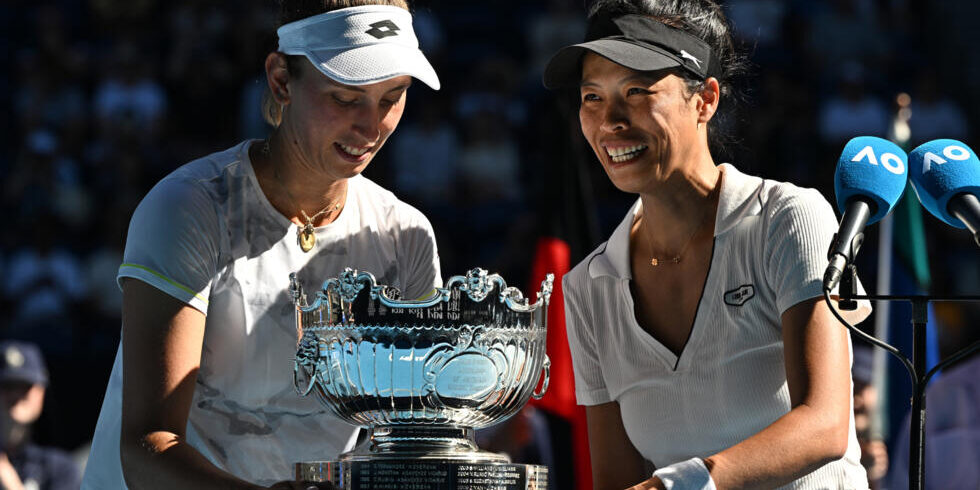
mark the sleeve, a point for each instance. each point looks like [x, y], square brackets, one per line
[172, 243]
[419, 256]
[590, 387]
[798, 237]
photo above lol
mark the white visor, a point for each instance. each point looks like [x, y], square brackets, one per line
[360, 45]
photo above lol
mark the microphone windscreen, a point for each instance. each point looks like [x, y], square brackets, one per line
[941, 169]
[873, 168]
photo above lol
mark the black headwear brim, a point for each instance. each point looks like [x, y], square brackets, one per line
[637, 42]
[564, 69]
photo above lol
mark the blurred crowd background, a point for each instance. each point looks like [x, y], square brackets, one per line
[101, 98]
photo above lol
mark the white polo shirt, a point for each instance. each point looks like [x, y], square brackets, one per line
[770, 253]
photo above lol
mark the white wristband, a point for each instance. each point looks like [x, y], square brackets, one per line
[686, 475]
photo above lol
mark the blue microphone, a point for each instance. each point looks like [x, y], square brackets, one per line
[870, 178]
[946, 176]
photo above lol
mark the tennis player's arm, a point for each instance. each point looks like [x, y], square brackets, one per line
[815, 431]
[616, 464]
[162, 342]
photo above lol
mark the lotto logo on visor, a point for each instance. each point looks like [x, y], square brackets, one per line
[383, 29]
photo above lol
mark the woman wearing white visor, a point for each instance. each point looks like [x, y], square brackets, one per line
[201, 392]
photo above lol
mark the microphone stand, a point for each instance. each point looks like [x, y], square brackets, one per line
[916, 367]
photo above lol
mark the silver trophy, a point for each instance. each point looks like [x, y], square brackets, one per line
[421, 376]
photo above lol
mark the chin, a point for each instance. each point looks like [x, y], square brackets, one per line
[631, 180]
[356, 170]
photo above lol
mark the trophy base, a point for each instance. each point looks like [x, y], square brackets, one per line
[424, 474]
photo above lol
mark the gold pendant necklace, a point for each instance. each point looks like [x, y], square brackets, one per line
[655, 261]
[307, 239]
[305, 233]
[677, 258]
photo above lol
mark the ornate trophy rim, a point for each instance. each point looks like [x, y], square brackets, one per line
[477, 284]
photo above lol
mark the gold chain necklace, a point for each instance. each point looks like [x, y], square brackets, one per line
[677, 258]
[306, 233]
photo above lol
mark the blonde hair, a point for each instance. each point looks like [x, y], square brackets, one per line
[293, 10]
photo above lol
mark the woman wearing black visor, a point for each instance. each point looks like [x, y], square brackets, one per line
[701, 344]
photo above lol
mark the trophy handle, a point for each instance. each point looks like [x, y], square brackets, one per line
[296, 385]
[546, 371]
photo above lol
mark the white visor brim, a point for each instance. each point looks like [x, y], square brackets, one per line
[360, 45]
[373, 63]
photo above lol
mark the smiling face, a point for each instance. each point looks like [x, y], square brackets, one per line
[643, 126]
[336, 129]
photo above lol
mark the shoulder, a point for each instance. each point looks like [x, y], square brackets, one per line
[192, 204]
[796, 221]
[782, 201]
[214, 165]
[207, 178]
[381, 204]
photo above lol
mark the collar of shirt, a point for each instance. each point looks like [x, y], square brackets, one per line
[739, 198]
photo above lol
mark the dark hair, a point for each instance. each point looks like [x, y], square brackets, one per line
[293, 10]
[706, 20]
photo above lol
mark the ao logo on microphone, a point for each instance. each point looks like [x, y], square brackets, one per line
[951, 152]
[892, 162]
[865, 195]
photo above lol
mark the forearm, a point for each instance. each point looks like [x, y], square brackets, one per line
[794, 445]
[162, 345]
[163, 460]
[9, 479]
[815, 431]
[616, 463]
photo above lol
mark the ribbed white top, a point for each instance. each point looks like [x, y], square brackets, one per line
[729, 382]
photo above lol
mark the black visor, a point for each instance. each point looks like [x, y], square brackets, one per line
[636, 42]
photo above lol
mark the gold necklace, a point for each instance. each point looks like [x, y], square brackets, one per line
[677, 258]
[306, 233]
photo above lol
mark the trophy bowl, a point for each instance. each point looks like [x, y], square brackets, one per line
[420, 375]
